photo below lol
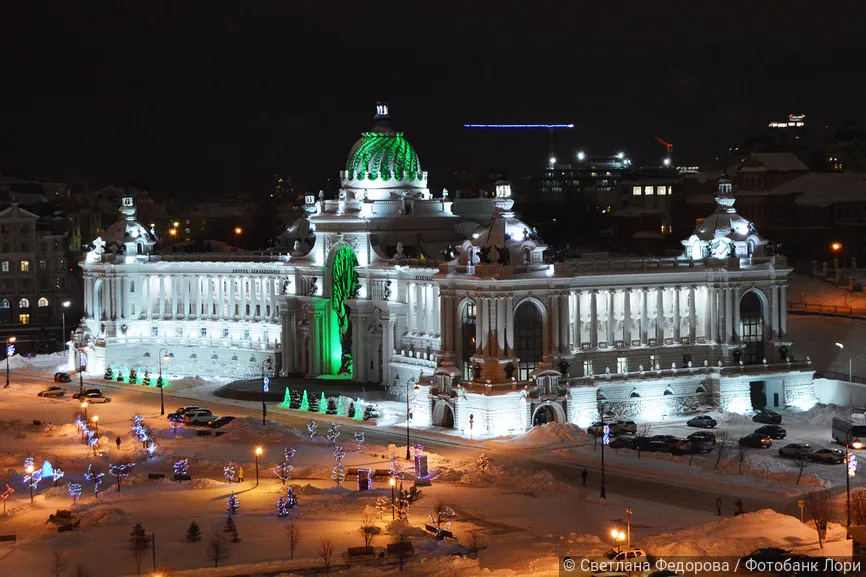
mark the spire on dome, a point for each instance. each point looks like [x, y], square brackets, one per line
[127, 208]
[381, 119]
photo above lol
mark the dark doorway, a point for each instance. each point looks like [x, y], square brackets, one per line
[469, 343]
[543, 416]
[758, 395]
[752, 328]
[775, 399]
[443, 415]
[529, 337]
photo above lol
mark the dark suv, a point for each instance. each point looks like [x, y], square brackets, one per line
[772, 431]
[768, 418]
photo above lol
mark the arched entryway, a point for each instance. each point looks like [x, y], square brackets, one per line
[467, 342]
[97, 300]
[443, 415]
[752, 328]
[344, 283]
[528, 338]
[548, 412]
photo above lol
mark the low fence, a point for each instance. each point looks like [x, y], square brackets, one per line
[819, 308]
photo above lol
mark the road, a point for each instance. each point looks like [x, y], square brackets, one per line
[659, 488]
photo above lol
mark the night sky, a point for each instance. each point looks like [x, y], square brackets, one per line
[204, 100]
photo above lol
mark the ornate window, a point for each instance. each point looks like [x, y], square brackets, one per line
[528, 337]
[752, 328]
[24, 304]
[4, 304]
[202, 332]
[42, 302]
[469, 343]
[225, 332]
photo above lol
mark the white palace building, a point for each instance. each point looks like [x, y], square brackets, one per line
[388, 284]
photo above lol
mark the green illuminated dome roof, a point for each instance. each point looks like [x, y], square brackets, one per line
[382, 157]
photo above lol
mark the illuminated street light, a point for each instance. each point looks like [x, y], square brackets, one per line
[667, 161]
[619, 537]
[65, 306]
[581, 156]
[172, 231]
[620, 155]
[84, 406]
[259, 451]
[836, 246]
[10, 350]
[29, 470]
[95, 421]
[393, 483]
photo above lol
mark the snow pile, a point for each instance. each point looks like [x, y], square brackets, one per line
[185, 383]
[821, 414]
[549, 435]
[250, 429]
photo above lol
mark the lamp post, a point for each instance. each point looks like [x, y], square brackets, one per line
[153, 543]
[65, 306]
[29, 471]
[82, 364]
[10, 350]
[95, 421]
[258, 452]
[240, 232]
[601, 408]
[618, 536]
[408, 414]
[850, 471]
[628, 528]
[159, 382]
[265, 384]
[84, 406]
[850, 377]
[392, 482]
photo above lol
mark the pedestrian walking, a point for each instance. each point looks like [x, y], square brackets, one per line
[719, 506]
[117, 442]
[240, 474]
[738, 508]
[584, 475]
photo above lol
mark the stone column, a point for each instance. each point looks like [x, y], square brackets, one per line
[660, 316]
[161, 297]
[509, 324]
[736, 308]
[578, 329]
[712, 316]
[693, 318]
[500, 323]
[644, 317]
[564, 327]
[554, 323]
[783, 312]
[388, 348]
[420, 309]
[774, 307]
[593, 319]
[729, 318]
[611, 320]
[443, 322]
[86, 296]
[232, 303]
[676, 315]
[626, 321]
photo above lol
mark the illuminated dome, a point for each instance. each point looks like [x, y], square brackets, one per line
[505, 239]
[383, 160]
[126, 237]
[724, 233]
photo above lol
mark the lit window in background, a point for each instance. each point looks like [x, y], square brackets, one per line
[648, 190]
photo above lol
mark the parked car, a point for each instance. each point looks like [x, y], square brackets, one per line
[772, 431]
[615, 560]
[199, 417]
[85, 393]
[768, 417]
[680, 446]
[667, 440]
[220, 421]
[52, 392]
[703, 421]
[62, 378]
[702, 441]
[182, 410]
[623, 428]
[765, 555]
[832, 456]
[95, 398]
[621, 443]
[795, 450]
[597, 429]
[756, 441]
[649, 445]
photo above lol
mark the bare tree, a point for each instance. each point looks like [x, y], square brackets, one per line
[326, 553]
[58, 562]
[643, 431]
[801, 460]
[401, 539]
[742, 455]
[724, 445]
[139, 542]
[293, 535]
[818, 505]
[858, 507]
[218, 548]
[80, 571]
[368, 529]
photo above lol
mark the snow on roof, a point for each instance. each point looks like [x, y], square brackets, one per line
[16, 211]
[826, 188]
[780, 161]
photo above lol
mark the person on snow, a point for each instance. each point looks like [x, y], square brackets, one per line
[719, 506]
[240, 474]
[584, 475]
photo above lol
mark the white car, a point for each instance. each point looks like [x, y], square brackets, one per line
[622, 560]
[200, 417]
[95, 398]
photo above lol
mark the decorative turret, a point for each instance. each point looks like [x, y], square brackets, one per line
[126, 237]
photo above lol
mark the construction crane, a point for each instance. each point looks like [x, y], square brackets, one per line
[668, 147]
[549, 127]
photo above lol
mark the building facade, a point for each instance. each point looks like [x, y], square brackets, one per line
[387, 284]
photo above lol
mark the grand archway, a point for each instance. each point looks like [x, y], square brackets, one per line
[528, 338]
[443, 415]
[468, 342]
[548, 412]
[344, 282]
[752, 328]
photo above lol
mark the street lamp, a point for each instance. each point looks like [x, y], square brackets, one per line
[65, 306]
[95, 421]
[392, 482]
[265, 384]
[628, 528]
[10, 350]
[29, 470]
[850, 471]
[240, 232]
[84, 406]
[601, 410]
[82, 364]
[259, 451]
[408, 414]
[159, 382]
[618, 536]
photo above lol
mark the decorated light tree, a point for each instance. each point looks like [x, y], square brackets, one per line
[229, 526]
[5, 495]
[140, 430]
[291, 499]
[176, 421]
[442, 515]
[151, 448]
[74, 491]
[483, 463]
[305, 403]
[338, 473]
[396, 468]
[120, 472]
[233, 504]
[181, 466]
[283, 471]
[359, 439]
[359, 410]
[287, 398]
[311, 428]
[323, 404]
[340, 408]
[333, 433]
[229, 472]
[95, 478]
[282, 506]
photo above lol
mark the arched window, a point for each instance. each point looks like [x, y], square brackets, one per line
[634, 395]
[43, 302]
[4, 304]
[701, 389]
[214, 357]
[193, 356]
[668, 391]
[24, 304]
[528, 338]
[527, 256]
[752, 328]
[146, 355]
[469, 343]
